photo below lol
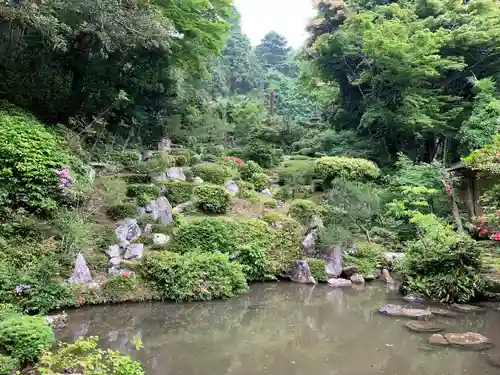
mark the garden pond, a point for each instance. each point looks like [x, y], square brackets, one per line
[284, 329]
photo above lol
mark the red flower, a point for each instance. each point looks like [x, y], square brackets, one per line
[125, 274]
[483, 232]
[495, 236]
[234, 159]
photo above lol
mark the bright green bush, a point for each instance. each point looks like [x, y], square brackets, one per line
[160, 162]
[8, 364]
[365, 258]
[254, 260]
[303, 209]
[236, 152]
[317, 268]
[262, 153]
[272, 217]
[97, 261]
[213, 173]
[85, 353]
[330, 167]
[179, 191]
[193, 276]
[245, 189]
[140, 190]
[29, 157]
[212, 198]
[116, 286]
[207, 234]
[7, 310]
[122, 211]
[25, 337]
[260, 181]
[249, 169]
[296, 172]
[127, 159]
[209, 158]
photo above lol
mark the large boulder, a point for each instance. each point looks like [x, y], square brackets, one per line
[267, 192]
[308, 244]
[232, 187]
[438, 340]
[465, 340]
[176, 173]
[443, 312]
[164, 211]
[424, 326]
[81, 273]
[398, 310]
[127, 230]
[301, 273]
[386, 276]
[315, 223]
[134, 251]
[348, 271]
[333, 265]
[159, 177]
[339, 283]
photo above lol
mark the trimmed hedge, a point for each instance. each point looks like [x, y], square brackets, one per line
[303, 209]
[141, 190]
[260, 181]
[330, 167]
[122, 211]
[213, 173]
[179, 191]
[249, 169]
[213, 198]
[206, 234]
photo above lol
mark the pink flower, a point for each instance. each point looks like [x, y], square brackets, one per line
[483, 232]
[495, 236]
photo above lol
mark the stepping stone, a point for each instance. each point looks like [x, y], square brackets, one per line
[424, 326]
[414, 298]
[467, 340]
[339, 283]
[467, 308]
[443, 312]
[398, 310]
[438, 339]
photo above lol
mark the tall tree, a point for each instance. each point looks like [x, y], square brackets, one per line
[273, 51]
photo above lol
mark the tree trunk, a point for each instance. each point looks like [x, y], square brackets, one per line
[448, 188]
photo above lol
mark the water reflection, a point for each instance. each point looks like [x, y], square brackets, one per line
[280, 329]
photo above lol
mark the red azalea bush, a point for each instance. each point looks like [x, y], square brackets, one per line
[488, 226]
[236, 160]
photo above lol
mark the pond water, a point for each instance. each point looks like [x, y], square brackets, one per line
[282, 329]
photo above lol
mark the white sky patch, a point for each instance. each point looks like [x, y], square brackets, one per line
[287, 17]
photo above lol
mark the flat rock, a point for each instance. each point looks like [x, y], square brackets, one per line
[134, 251]
[438, 339]
[398, 310]
[443, 312]
[424, 326]
[469, 340]
[338, 283]
[414, 298]
[113, 251]
[176, 173]
[115, 261]
[357, 279]
[467, 308]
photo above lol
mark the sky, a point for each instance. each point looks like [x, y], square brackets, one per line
[287, 17]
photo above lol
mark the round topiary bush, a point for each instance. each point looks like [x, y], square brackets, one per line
[207, 234]
[303, 209]
[179, 191]
[260, 181]
[122, 211]
[249, 169]
[30, 155]
[330, 167]
[214, 173]
[25, 337]
[317, 268]
[212, 198]
[272, 217]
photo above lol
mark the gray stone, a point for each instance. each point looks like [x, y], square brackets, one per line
[301, 273]
[315, 223]
[115, 261]
[198, 181]
[164, 144]
[232, 187]
[357, 279]
[374, 275]
[134, 251]
[348, 271]
[469, 340]
[279, 204]
[81, 273]
[114, 271]
[58, 321]
[113, 251]
[386, 276]
[390, 258]
[176, 173]
[274, 186]
[438, 340]
[414, 298]
[160, 239]
[467, 308]
[148, 228]
[159, 177]
[128, 230]
[308, 244]
[267, 192]
[91, 173]
[424, 326]
[164, 211]
[338, 283]
[141, 211]
[398, 310]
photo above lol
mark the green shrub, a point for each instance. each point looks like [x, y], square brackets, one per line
[116, 286]
[193, 276]
[97, 261]
[213, 198]
[112, 189]
[189, 174]
[181, 161]
[210, 158]
[137, 179]
[441, 264]
[161, 228]
[160, 247]
[284, 193]
[106, 238]
[249, 169]
[7, 310]
[143, 220]
[179, 191]
[272, 217]
[365, 258]
[260, 181]
[330, 167]
[262, 153]
[207, 234]
[236, 152]
[317, 268]
[245, 189]
[141, 190]
[303, 209]
[254, 261]
[8, 364]
[30, 156]
[25, 337]
[127, 159]
[296, 172]
[122, 211]
[146, 239]
[160, 162]
[85, 353]
[213, 173]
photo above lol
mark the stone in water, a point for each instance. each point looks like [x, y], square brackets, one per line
[469, 340]
[424, 326]
[338, 283]
[397, 310]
